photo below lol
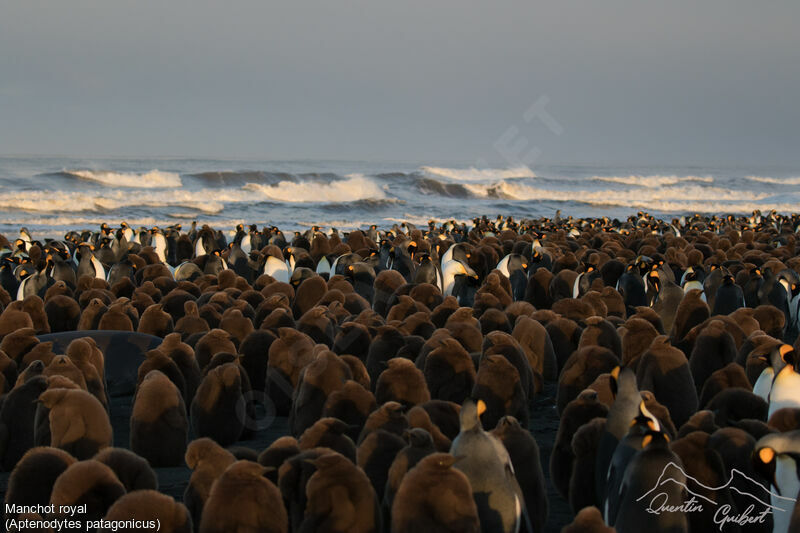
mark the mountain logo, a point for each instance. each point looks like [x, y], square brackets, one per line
[762, 501]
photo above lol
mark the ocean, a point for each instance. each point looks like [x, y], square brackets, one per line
[49, 195]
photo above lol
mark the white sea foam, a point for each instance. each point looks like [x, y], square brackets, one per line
[146, 180]
[653, 181]
[478, 174]
[204, 200]
[356, 187]
[778, 181]
[632, 198]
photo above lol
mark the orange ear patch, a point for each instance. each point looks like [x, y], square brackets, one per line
[784, 350]
[766, 455]
[481, 407]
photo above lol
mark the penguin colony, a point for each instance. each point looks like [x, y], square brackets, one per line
[407, 361]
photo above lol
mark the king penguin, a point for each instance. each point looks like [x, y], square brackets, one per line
[487, 465]
[624, 409]
[451, 269]
[785, 391]
[159, 243]
[88, 263]
[776, 457]
[775, 363]
[624, 452]
[277, 269]
[642, 477]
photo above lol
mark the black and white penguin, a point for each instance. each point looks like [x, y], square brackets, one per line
[159, 243]
[458, 252]
[630, 286]
[515, 268]
[427, 271]
[644, 476]
[238, 260]
[624, 452]
[277, 269]
[341, 263]
[127, 232]
[487, 465]
[403, 261]
[61, 269]
[34, 282]
[88, 264]
[25, 236]
[752, 286]
[785, 390]
[712, 282]
[205, 241]
[292, 253]
[539, 258]
[451, 272]
[323, 267]
[692, 280]
[624, 409]
[511, 263]
[243, 239]
[774, 292]
[583, 282]
[763, 384]
[776, 457]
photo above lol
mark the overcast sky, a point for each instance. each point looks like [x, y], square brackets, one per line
[639, 82]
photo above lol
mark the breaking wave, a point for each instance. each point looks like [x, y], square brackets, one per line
[630, 198]
[653, 181]
[145, 180]
[777, 181]
[355, 187]
[205, 201]
[476, 174]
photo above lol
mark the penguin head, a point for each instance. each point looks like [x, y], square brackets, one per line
[418, 438]
[644, 421]
[788, 355]
[623, 381]
[655, 439]
[507, 423]
[471, 412]
[412, 249]
[654, 279]
[643, 262]
[395, 410]
[24, 270]
[764, 461]
[614, 380]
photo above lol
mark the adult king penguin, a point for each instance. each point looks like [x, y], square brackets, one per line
[487, 465]
[776, 457]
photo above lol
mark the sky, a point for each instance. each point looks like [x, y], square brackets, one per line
[494, 83]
